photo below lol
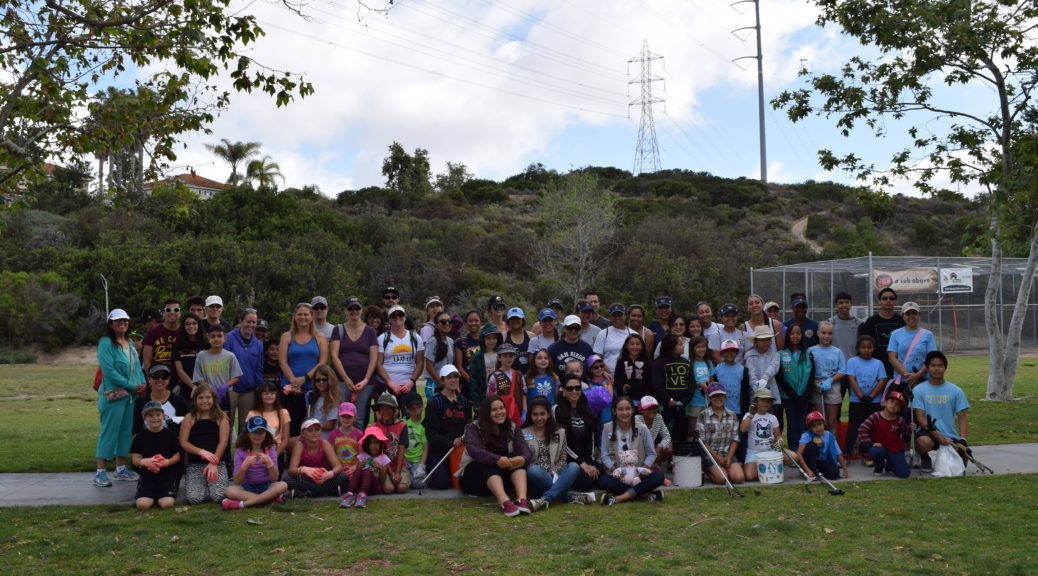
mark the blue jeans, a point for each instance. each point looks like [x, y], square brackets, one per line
[796, 411]
[615, 486]
[884, 459]
[827, 468]
[363, 398]
[542, 485]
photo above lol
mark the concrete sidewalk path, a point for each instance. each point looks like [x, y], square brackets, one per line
[75, 488]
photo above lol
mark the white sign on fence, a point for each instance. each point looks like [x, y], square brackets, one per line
[956, 280]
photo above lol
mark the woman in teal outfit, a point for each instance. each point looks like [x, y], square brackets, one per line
[121, 375]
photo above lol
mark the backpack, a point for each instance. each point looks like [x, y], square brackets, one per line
[388, 335]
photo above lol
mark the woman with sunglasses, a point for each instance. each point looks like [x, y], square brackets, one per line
[121, 374]
[354, 353]
[496, 313]
[302, 349]
[401, 355]
[573, 414]
[439, 352]
[881, 325]
[158, 390]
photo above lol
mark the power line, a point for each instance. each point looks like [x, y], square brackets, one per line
[441, 74]
[549, 26]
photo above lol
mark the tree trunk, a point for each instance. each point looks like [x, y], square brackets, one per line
[992, 318]
[1016, 325]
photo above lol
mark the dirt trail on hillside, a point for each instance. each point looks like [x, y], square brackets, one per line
[799, 229]
[72, 355]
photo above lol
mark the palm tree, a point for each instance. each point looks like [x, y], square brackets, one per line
[234, 153]
[264, 172]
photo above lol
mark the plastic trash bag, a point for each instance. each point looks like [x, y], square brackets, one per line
[947, 462]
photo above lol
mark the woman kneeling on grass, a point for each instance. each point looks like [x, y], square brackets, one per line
[255, 478]
[624, 435]
[496, 456]
[314, 469]
[551, 474]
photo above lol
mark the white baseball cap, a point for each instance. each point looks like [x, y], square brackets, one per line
[214, 299]
[571, 320]
[909, 306]
[447, 370]
[648, 402]
[309, 422]
[393, 309]
[118, 314]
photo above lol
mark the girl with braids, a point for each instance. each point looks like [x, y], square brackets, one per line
[625, 435]
[439, 351]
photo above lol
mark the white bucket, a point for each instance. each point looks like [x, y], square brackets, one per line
[769, 467]
[688, 471]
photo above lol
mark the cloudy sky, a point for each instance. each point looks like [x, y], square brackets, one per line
[500, 85]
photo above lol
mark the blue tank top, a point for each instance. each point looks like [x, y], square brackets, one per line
[302, 358]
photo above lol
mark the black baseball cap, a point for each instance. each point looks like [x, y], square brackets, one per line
[151, 314]
[390, 290]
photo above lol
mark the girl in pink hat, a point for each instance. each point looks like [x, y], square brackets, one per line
[370, 471]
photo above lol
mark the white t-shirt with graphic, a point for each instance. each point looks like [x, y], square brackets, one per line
[399, 361]
[760, 434]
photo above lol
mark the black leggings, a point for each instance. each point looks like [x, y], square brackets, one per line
[474, 480]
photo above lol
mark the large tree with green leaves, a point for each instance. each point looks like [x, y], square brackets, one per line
[961, 75]
[54, 53]
[409, 175]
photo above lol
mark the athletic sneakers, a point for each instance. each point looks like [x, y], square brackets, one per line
[656, 496]
[101, 479]
[538, 504]
[927, 463]
[608, 499]
[523, 505]
[362, 500]
[509, 509]
[348, 500]
[584, 497]
[228, 504]
[126, 475]
[280, 499]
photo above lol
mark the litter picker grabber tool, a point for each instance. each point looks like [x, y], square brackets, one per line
[968, 455]
[793, 458]
[833, 490]
[732, 490]
[425, 480]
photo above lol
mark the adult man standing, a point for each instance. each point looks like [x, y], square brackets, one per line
[213, 311]
[845, 326]
[320, 307]
[158, 342]
[661, 325]
[807, 325]
[570, 347]
[591, 297]
[196, 306]
[882, 324]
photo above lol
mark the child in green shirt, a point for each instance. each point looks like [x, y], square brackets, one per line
[417, 448]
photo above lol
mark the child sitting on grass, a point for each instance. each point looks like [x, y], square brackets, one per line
[255, 479]
[156, 454]
[880, 437]
[819, 452]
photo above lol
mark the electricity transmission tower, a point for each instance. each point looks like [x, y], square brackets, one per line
[760, 89]
[647, 152]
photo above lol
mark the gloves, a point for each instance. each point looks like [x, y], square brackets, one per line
[419, 472]
[825, 385]
[760, 384]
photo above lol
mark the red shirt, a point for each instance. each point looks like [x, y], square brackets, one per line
[887, 433]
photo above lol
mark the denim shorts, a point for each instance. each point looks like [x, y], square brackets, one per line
[259, 488]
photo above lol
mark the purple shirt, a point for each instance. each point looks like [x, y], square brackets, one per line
[355, 354]
[257, 473]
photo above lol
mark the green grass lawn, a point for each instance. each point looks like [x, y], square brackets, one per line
[984, 529]
[48, 414]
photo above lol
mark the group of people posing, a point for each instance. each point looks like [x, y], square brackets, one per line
[531, 413]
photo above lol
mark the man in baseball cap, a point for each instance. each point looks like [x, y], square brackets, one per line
[570, 346]
[807, 325]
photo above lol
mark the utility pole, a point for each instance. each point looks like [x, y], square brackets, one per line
[647, 151]
[760, 89]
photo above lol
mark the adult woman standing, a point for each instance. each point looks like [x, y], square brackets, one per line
[678, 327]
[758, 317]
[636, 322]
[120, 376]
[439, 352]
[551, 473]
[664, 310]
[302, 349]
[574, 415]
[548, 332]
[623, 434]
[446, 416]
[248, 349]
[401, 355]
[496, 313]
[190, 341]
[375, 317]
[609, 343]
[907, 350]
[467, 345]
[496, 458]
[354, 353]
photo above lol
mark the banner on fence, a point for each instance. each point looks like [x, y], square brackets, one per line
[906, 281]
[956, 280]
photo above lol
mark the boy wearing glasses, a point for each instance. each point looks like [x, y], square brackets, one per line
[881, 325]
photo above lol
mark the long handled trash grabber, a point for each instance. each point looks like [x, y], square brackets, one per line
[425, 480]
[833, 490]
[732, 490]
[793, 458]
[968, 454]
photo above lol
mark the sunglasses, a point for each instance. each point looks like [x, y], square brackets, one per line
[572, 327]
[215, 306]
[320, 307]
[395, 316]
[171, 309]
[320, 379]
[443, 322]
[571, 388]
[390, 297]
[160, 376]
[353, 308]
[499, 306]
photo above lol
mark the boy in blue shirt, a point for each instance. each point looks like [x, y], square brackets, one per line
[830, 367]
[944, 402]
[734, 377]
[818, 451]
